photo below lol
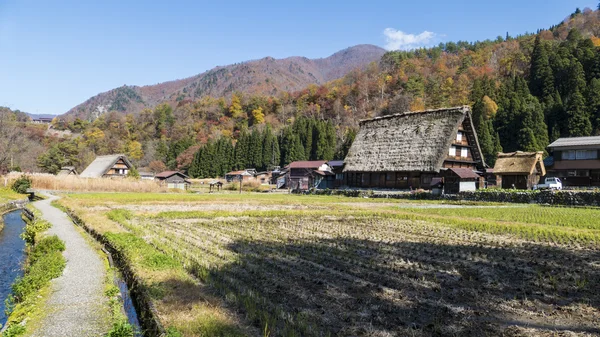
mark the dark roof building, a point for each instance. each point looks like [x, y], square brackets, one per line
[173, 179]
[575, 160]
[406, 150]
[304, 175]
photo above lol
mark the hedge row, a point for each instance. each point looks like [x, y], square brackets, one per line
[565, 198]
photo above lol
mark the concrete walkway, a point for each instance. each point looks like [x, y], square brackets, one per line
[77, 305]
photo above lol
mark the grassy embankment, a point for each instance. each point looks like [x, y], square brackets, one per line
[312, 265]
[7, 195]
[44, 262]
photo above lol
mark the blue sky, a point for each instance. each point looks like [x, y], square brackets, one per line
[54, 56]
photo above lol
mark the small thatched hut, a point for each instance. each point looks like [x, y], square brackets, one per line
[520, 170]
[407, 150]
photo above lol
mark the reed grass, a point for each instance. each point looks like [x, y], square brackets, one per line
[76, 184]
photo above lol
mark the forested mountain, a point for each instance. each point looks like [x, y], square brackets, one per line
[267, 76]
[525, 92]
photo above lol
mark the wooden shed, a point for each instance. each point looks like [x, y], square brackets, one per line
[458, 180]
[173, 179]
[519, 170]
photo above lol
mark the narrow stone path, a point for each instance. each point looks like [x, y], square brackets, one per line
[77, 305]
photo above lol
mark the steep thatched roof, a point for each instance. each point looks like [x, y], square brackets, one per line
[519, 163]
[409, 141]
[101, 165]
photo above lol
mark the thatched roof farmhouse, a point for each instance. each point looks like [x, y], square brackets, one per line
[110, 166]
[520, 170]
[408, 149]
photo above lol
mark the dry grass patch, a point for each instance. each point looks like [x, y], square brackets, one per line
[76, 184]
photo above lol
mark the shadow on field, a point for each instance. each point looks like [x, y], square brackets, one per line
[349, 287]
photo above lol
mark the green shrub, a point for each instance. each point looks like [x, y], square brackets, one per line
[46, 246]
[22, 184]
[32, 229]
[14, 330]
[121, 328]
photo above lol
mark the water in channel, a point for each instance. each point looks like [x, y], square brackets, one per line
[12, 254]
[132, 316]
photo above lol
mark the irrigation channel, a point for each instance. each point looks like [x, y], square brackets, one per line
[12, 255]
[132, 316]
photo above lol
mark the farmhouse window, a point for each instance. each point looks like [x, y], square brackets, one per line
[586, 154]
[463, 152]
[459, 137]
[452, 151]
[568, 155]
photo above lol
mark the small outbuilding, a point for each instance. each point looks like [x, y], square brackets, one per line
[458, 180]
[246, 175]
[519, 170]
[67, 171]
[145, 175]
[173, 179]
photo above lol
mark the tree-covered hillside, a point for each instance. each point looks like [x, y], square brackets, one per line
[525, 92]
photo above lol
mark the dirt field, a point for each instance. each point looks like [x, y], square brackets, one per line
[332, 266]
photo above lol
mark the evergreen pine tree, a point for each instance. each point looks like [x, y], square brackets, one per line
[578, 123]
[541, 82]
[593, 104]
[486, 141]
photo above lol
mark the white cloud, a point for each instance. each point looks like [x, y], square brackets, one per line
[396, 39]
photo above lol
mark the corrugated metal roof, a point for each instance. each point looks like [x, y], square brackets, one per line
[167, 174]
[465, 173]
[335, 163]
[575, 141]
[312, 164]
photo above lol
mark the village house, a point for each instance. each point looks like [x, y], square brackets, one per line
[575, 161]
[337, 167]
[173, 180]
[42, 120]
[110, 166]
[407, 150]
[246, 175]
[67, 171]
[146, 175]
[304, 175]
[519, 170]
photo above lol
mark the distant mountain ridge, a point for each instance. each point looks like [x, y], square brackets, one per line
[266, 76]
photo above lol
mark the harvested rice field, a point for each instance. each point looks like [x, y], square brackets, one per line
[283, 265]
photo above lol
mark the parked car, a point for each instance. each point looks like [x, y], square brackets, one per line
[551, 183]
